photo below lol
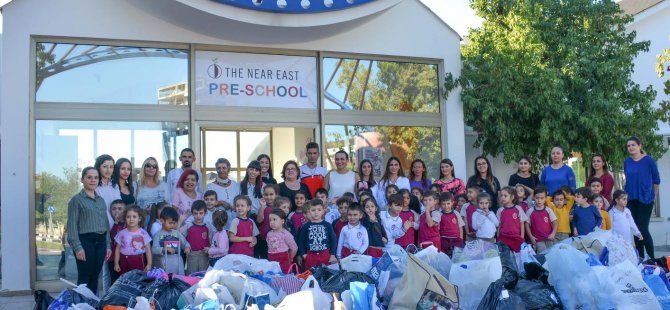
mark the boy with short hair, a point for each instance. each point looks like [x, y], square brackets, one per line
[211, 203]
[561, 204]
[542, 222]
[468, 209]
[343, 205]
[353, 238]
[316, 238]
[198, 235]
[586, 217]
[168, 243]
[451, 224]
[393, 224]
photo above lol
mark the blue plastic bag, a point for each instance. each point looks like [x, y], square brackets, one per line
[652, 277]
[361, 295]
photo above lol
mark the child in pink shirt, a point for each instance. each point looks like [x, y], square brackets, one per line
[243, 231]
[429, 222]
[281, 244]
[220, 242]
[298, 216]
[451, 225]
[131, 252]
[512, 218]
[468, 209]
[407, 215]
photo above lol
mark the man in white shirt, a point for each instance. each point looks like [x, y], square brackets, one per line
[187, 158]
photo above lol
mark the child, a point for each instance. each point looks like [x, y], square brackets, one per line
[298, 217]
[332, 213]
[522, 195]
[391, 190]
[600, 202]
[117, 208]
[353, 237]
[270, 193]
[209, 197]
[365, 195]
[596, 187]
[622, 220]
[511, 229]
[284, 204]
[155, 218]
[461, 200]
[376, 232]
[435, 188]
[561, 204]
[168, 243]
[131, 242]
[281, 244]
[393, 224]
[220, 242]
[343, 207]
[416, 192]
[586, 217]
[243, 231]
[408, 215]
[484, 221]
[451, 224]
[542, 222]
[316, 238]
[197, 234]
[469, 209]
[429, 222]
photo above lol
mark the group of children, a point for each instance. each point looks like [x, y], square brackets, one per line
[312, 233]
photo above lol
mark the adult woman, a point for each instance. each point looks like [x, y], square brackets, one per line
[291, 184]
[557, 173]
[150, 187]
[340, 180]
[642, 180]
[448, 181]
[225, 188]
[366, 179]
[88, 230]
[109, 191]
[393, 174]
[252, 186]
[484, 178]
[418, 176]
[266, 169]
[599, 169]
[123, 178]
[185, 194]
[524, 175]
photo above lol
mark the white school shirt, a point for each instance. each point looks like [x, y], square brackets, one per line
[392, 226]
[485, 225]
[379, 190]
[623, 224]
[354, 238]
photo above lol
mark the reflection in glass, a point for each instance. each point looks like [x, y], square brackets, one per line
[87, 73]
[224, 144]
[378, 143]
[63, 148]
[372, 85]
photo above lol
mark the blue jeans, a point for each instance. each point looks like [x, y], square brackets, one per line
[95, 248]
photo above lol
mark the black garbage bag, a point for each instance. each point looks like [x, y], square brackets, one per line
[510, 274]
[534, 271]
[42, 300]
[499, 294]
[339, 282]
[537, 295]
[68, 297]
[165, 292]
[322, 274]
[130, 285]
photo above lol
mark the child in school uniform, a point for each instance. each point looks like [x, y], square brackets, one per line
[484, 221]
[586, 216]
[298, 217]
[511, 229]
[429, 222]
[270, 192]
[284, 204]
[469, 209]
[542, 222]
[376, 232]
[131, 243]
[169, 242]
[220, 244]
[394, 225]
[353, 237]
[243, 231]
[408, 215]
[198, 234]
[316, 238]
[342, 207]
[561, 204]
[622, 220]
[116, 208]
[451, 224]
[282, 248]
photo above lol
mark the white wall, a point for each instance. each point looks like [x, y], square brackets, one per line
[654, 25]
[407, 29]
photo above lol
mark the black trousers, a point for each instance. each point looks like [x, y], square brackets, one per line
[641, 215]
[95, 248]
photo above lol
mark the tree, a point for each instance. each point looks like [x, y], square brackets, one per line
[544, 72]
[662, 60]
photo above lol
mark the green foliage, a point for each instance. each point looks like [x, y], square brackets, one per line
[544, 72]
[58, 191]
[662, 60]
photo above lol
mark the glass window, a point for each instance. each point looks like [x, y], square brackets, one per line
[86, 73]
[62, 149]
[378, 143]
[373, 85]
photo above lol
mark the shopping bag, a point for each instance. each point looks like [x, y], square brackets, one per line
[243, 263]
[362, 295]
[289, 283]
[587, 246]
[339, 282]
[354, 262]
[436, 259]
[631, 290]
[256, 302]
[320, 299]
[473, 279]
[657, 282]
[422, 285]
[382, 264]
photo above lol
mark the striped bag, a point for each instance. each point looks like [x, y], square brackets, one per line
[288, 283]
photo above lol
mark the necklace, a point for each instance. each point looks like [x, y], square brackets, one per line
[222, 182]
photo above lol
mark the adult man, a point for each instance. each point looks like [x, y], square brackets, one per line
[187, 158]
[311, 174]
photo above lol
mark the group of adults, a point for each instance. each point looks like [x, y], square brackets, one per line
[89, 220]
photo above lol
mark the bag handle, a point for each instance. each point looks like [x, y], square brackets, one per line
[294, 267]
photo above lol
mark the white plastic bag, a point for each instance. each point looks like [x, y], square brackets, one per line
[255, 287]
[631, 290]
[141, 303]
[301, 300]
[620, 250]
[354, 262]
[242, 263]
[436, 259]
[215, 292]
[474, 250]
[473, 279]
[81, 306]
[320, 299]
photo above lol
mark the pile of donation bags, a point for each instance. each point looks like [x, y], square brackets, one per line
[597, 271]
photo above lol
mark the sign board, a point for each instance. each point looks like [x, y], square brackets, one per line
[51, 209]
[255, 80]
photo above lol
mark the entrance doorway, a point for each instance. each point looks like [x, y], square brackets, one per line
[242, 145]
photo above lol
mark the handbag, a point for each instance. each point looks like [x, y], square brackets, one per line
[429, 288]
[288, 283]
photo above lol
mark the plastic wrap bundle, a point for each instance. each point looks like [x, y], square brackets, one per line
[473, 250]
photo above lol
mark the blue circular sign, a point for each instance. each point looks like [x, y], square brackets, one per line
[51, 209]
[295, 6]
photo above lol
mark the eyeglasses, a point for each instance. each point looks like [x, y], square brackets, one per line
[151, 166]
